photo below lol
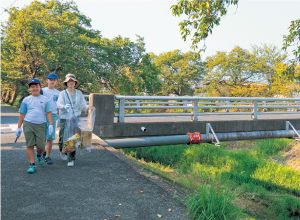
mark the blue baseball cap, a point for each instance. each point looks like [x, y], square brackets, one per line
[52, 76]
[36, 81]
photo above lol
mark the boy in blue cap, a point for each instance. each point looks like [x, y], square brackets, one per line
[33, 118]
[52, 94]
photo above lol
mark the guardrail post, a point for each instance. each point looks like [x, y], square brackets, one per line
[121, 110]
[195, 110]
[227, 103]
[138, 104]
[297, 109]
[254, 110]
[185, 104]
[265, 103]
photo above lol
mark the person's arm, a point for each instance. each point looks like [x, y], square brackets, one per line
[49, 115]
[83, 104]
[22, 111]
[60, 101]
[21, 119]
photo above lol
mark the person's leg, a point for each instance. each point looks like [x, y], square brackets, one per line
[49, 148]
[46, 130]
[61, 134]
[61, 138]
[40, 142]
[50, 138]
[71, 156]
[30, 143]
[30, 154]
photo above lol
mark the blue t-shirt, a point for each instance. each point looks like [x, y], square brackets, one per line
[35, 108]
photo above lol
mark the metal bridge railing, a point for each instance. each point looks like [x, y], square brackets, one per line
[87, 99]
[206, 105]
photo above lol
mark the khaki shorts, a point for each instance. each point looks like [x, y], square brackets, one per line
[34, 134]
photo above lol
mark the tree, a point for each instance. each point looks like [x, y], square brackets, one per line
[202, 17]
[179, 72]
[293, 38]
[49, 37]
[259, 73]
[128, 69]
[268, 57]
[228, 72]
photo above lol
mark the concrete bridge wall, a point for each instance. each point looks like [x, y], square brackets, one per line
[106, 128]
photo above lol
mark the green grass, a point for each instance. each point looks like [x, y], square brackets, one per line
[251, 170]
[210, 202]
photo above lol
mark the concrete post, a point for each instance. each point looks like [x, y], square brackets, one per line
[104, 105]
[121, 117]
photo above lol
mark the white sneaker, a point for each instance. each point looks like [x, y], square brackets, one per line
[63, 156]
[70, 164]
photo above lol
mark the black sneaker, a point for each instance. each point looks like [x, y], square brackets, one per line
[48, 160]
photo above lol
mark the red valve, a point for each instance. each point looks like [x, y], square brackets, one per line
[195, 138]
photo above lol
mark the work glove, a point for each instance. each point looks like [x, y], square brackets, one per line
[50, 129]
[58, 123]
[19, 132]
[68, 107]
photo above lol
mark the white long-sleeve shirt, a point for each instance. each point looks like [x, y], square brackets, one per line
[80, 104]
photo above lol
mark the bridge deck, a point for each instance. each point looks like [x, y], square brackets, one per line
[208, 118]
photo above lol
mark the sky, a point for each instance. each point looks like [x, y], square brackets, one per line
[250, 23]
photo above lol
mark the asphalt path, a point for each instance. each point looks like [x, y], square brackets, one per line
[103, 184]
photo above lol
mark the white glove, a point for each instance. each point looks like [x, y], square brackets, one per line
[68, 107]
[50, 129]
[19, 132]
[58, 123]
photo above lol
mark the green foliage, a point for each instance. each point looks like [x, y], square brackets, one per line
[251, 171]
[293, 38]
[202, 17]
[179, 72]
[210, 202]
[129, 70]
[260, 72]
[49, 37]
[243, 166]
[270, 147]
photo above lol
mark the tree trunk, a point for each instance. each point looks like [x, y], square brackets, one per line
[13, 98]
[7, 97]
[20, 101]
[3, 94]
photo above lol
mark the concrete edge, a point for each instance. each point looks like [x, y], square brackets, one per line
[158, 179]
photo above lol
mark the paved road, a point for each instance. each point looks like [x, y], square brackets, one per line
[101, 185]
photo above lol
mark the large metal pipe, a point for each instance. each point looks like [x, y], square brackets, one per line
[205, 138]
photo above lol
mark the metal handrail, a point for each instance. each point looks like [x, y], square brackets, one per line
[194, 103]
